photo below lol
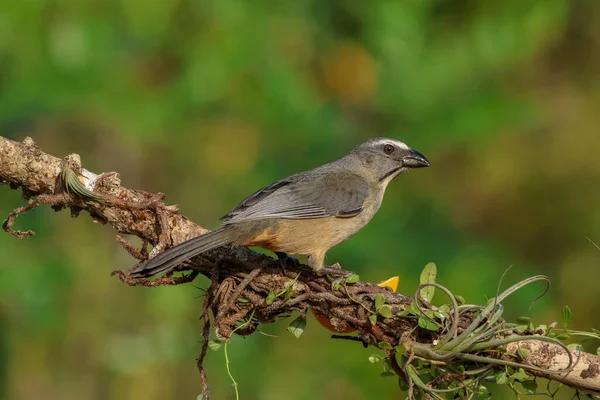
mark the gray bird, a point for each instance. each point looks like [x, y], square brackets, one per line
[307, 213]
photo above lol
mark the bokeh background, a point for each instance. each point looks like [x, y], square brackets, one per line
[207, 101]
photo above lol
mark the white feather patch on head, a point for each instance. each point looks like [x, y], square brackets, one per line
[384, 141]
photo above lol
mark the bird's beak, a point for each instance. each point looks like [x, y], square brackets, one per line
[414, 159]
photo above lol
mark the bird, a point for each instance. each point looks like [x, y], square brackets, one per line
[304, 214]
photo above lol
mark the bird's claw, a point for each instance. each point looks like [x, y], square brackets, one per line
[286, 261]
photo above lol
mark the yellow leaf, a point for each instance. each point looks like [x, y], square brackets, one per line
[391, 283]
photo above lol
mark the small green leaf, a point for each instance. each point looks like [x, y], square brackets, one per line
[296, 327]
[400, 351]
[552, 325]
[387, 368]
[563, 336]
[523, 320]
[385, 312]
[387, 365]
[289, 292]
[596, 331]
[202, 396]
[374, 358]
[373, 319]
[521, 328]
[567, 316]
[271, 298]
[501, 377]
[379, 301]
[428, 276]
[598, 351]
[384, 346]
[459, 299]
[522, 353]
[575, 346]
[439, 315]
[428, 324]
[215, 344]
[483, 392]
[521, 375]
[529, 386]
[445, 309]
[413, 309]
[402, 385]
[352, 278]
[336, 287]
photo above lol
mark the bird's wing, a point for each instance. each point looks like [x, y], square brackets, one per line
[301, 197]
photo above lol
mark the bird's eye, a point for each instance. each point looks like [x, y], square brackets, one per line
[388, 149]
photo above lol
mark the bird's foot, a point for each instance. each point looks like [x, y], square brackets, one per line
[286, 261]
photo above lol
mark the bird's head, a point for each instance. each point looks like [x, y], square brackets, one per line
[386, 158]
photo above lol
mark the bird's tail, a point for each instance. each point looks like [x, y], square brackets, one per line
[172, 257]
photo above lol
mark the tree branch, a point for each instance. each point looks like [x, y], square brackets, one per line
[249, 288]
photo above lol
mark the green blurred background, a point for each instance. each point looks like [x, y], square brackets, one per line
[208, 101]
